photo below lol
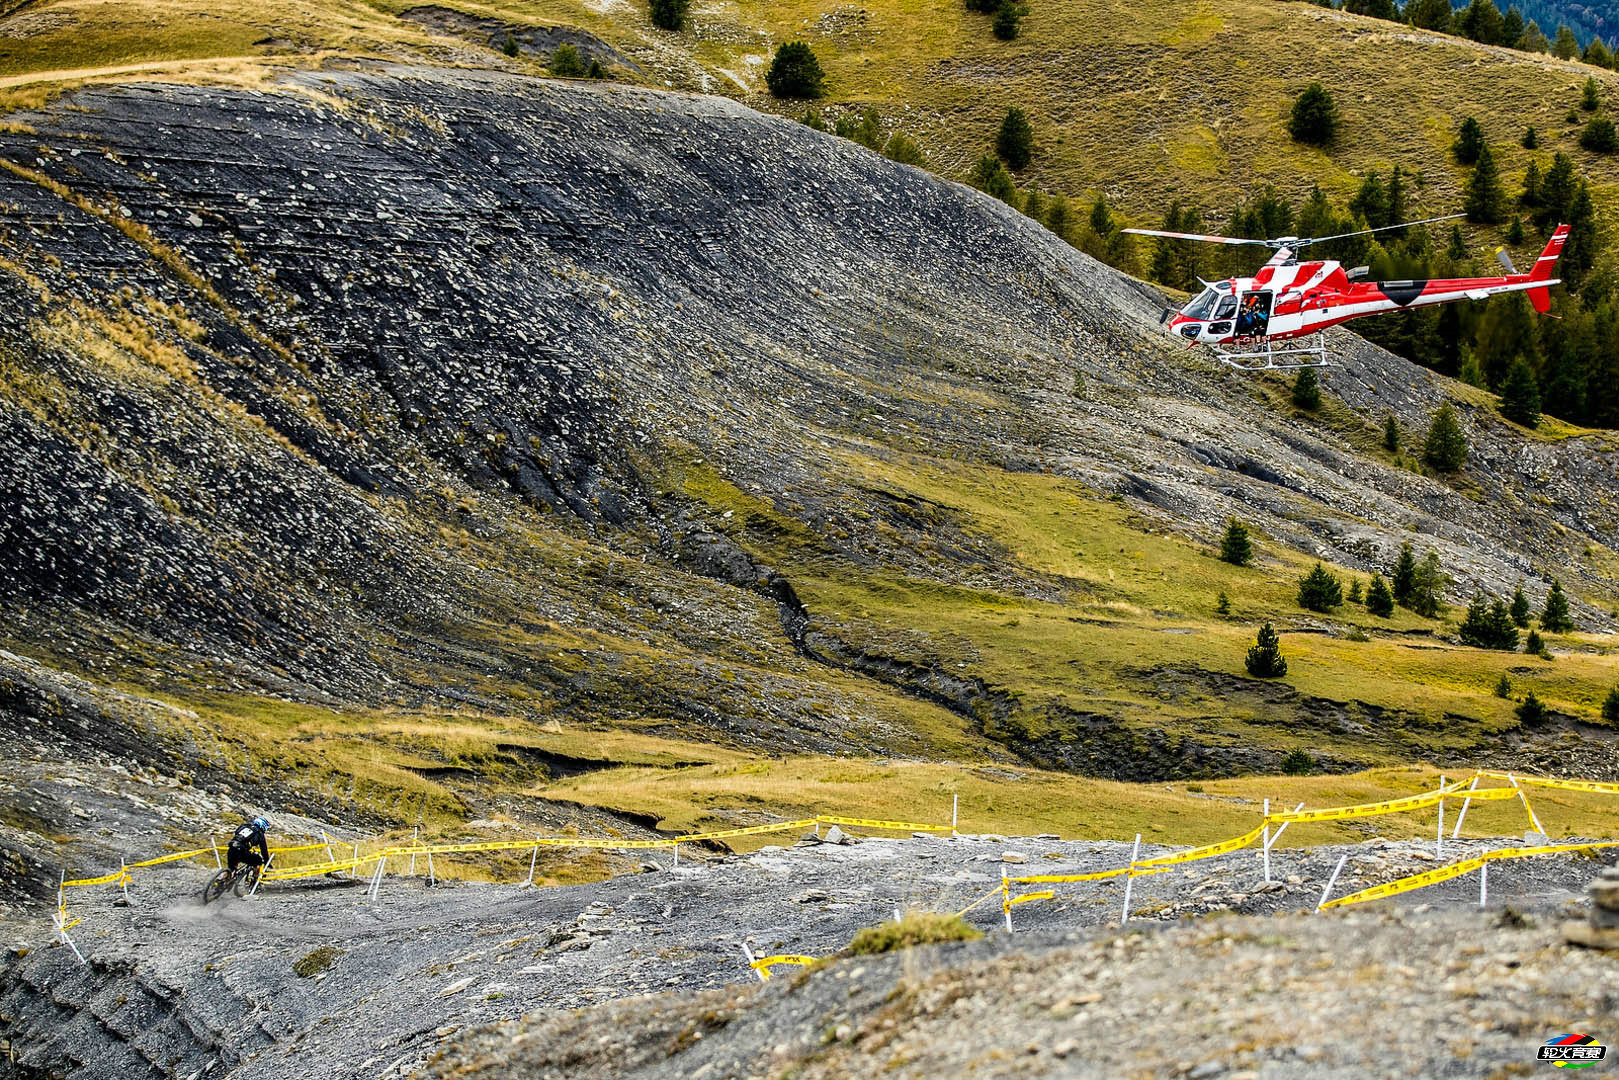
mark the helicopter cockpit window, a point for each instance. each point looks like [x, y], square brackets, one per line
[1228, 306]
[1202, 307]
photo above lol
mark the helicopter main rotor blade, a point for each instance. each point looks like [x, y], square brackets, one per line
[1196, 236]
[1380, 228]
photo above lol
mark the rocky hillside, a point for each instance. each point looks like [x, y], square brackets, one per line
[411, 388]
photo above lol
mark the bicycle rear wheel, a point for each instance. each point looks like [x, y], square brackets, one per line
[246, 879]
[217, 885]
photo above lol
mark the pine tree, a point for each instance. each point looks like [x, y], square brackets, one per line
[1379, 601]
[1265, 659]
[1520, 396]
[1597, 55]
[1405, 574]
[1599, 135]
[1535, 645]
[1015, 141]
[991, 177]
[903, 149]
[1499, 632]
[1590, 95]
[1531, 713]
[1534, 39]
[1530, 140]
[1610, 707]
[567, 63]
[794, 72]
[1512, 29]
[1060, 218]
[596, 70]
[1520, 607]
[1315, 116]
[1503, 686]
[1428, 14]
[1008, 19]
[1391, 434]
[1565, 46]
[1319, 590]
[510, 47]
[1486, 199]
[1481, 21]
[1445, 448]
[1034, 205]
[1428, 587]
[670, 14]
[1222, 604]
[1469, 142]
[1298, 761]
[1472, 631]
[1307, 390]
[1555, 618]
[1354, 595]
[1236, 547]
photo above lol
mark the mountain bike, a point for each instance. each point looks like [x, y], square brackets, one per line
[242, 881]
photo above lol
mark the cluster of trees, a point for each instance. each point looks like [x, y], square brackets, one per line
[1483, 21]
[1008, 15]
[669, 14]
[866, 128]
[567, 62]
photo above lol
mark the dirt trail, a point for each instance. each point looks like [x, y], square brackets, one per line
[79, 74]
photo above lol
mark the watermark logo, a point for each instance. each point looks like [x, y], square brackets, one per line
[1572, 1051]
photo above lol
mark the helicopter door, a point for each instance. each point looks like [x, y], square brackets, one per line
[1253, 314]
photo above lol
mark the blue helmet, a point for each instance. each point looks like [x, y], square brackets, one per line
[263, 823]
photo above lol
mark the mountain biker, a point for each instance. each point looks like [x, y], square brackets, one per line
[247, 844]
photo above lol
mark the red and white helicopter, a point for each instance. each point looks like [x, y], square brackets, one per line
[1288, 301]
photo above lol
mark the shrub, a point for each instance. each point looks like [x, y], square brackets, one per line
[795, 73]
[990, 176]
[314, 963]
[1535, 645]
[1015, 141]
[1379, 601]
[865, 129]
[1307, 390]
[1236, 547]
[904, 150]
[917, 928]
[1319, 590]
[596, 70]
[1354, 595]
[1298, 763]
[1315, 116]
[1530, 712]
[1590, 94]
[510, 46]
[1222, 604]
[567, 63]
[1445, 448]
[1610, 707]
[1555, 618]
[1008, 18]
[812, 118]
[1265, 660]
[670, 14]
[1599, 135]
[1503, 686]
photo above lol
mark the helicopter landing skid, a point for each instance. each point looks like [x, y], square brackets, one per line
[1300, 355]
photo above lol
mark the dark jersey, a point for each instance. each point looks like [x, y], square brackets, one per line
[249, 837]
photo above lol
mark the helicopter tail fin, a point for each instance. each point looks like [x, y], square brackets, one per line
[1541, 299]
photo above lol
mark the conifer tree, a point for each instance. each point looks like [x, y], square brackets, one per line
[1445, 448]
[1236, 547]
[567, 63]
[1307, 390]
[1503, 686]
[1590, 94]
[990, 176]
[1564, 45]
[1555, 618]
[1596, 53]
[1319, 590]
[1428, 587]
[1405, 574]
[1486, 199]
[1008, 19]
[1265, 660]
[1379, 601]
[903, 149]
[1315, 116]
[1354, 595]
[1060, 218]
[1498, 629]
[1530, 140]
[670, 14]
[1520, 396]
[1015, 141]
[1520, 607]
[1222, 604]
[1599, 135]
[794, 72]
[1469, 142]
[1472, 632]
[1428, 14]
[1391, 434]
[1535, 645]
[1531, 713]
[1610, 707]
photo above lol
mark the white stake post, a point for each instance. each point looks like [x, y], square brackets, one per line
[1333, 880]
[375, 891]
[1264, 838]
[749, 954]
[532, 859]
[61, 892]
[1457, 831]
[60, 919]
[1483, 884]
[123, 878]
[415, 835]
[1130, 881]
[218, 863]
[1277, 835]
[955, 808]
[677, 847]
[1534, 822]
[432, 878]
[1439, 836]
[1006, 896]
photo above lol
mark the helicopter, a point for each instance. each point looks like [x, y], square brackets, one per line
[1279, 317]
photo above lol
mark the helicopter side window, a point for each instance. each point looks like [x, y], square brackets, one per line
[1228, 306]
[1202, 306]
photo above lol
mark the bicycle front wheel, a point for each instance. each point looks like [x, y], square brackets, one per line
[216, 886]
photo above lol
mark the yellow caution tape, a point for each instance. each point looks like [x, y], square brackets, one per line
[1014, 901]
[980, 900]
[117, 877]
[299, 847]
[896, 826]
[1457, 869]
[1208, 851]
[763, 965]
[277, 874]
[177, 856]
[1565, 785]
[1391, 806]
